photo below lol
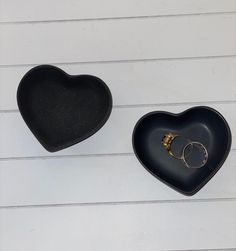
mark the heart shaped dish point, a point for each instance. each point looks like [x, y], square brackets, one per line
[201, 124]
[61, 109]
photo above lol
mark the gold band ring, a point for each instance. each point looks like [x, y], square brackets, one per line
[167, 140]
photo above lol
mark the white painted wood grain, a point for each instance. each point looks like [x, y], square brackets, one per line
[105, 40]
[146, 82]
[97, 180]
[171, 226]
[150, 215]
[114, 137]
[33, 10]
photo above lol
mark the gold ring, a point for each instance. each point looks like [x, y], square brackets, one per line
[167, 141]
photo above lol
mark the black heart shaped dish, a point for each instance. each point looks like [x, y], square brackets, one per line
[201, 124]
[62, 110]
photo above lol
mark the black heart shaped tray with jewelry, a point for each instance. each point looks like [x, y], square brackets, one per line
[183, 150]
[60, 109]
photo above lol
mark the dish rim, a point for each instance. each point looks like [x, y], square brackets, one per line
[215, 170]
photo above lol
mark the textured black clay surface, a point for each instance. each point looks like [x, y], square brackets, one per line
[202, 124]
[60, 109]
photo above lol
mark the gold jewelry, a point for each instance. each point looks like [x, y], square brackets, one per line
[167, 141]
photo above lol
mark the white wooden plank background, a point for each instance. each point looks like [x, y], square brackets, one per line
[106, 40]
[33, 10]
[94, 180]
[154, 55]
[171, 226]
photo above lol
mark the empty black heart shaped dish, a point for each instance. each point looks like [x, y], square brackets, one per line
[200, 124]
[62, 110]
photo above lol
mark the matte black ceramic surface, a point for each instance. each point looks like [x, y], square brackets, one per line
[202, 124]
[60, 109]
